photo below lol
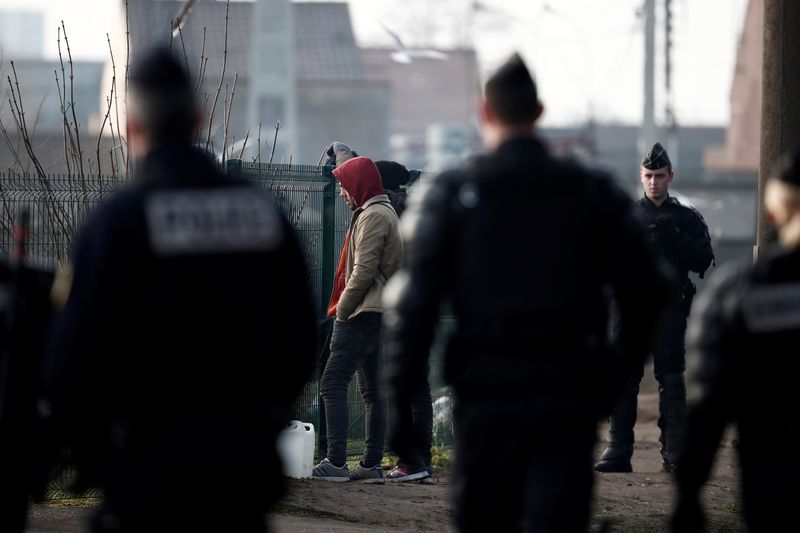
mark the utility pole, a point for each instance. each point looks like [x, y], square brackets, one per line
[648, 134]
[780, 104]
[669, 109]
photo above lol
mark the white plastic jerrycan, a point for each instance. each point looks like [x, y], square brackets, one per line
[296, 445]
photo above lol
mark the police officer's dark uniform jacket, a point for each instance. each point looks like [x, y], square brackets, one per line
[187, 336]
[681, 236]
[522, 245]
[744, 341]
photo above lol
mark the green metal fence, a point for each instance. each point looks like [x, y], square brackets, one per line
[306, 194]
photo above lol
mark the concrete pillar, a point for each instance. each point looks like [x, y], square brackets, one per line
[780, 105]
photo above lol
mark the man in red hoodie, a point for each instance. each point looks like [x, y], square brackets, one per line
[372, 252]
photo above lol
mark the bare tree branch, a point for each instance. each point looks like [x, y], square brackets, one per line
[258, 156]
[244, 145]
[115, 94]
[201, 66]
[226, 110]
[72, 100]
[183, 47]
[109, 101]
[221, 77]
[70, 150]
[274, 141]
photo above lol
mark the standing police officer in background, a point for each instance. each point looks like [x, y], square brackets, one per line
[679, 234]
[743, 345]
[523, 246]
[187, 335]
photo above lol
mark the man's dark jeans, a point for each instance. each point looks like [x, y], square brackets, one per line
[355, 349]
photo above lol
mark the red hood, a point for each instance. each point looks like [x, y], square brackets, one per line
[360, 178]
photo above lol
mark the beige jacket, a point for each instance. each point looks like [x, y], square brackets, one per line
[374, 254]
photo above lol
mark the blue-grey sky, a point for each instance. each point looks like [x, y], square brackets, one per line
[586, 54]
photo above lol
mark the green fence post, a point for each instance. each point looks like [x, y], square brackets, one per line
[328, 239]
[329, 261]
[233, 166]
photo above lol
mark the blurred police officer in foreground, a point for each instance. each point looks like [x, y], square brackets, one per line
[25, 311]
[187, 335]
[679, 235]
[523, 245]
[744, 341]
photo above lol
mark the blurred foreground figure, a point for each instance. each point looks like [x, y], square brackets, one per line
[187, 335]
[743, 345]
[523, 246]
[679, 235]
[25, 311]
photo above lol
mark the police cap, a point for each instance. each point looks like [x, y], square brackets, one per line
[656, 158]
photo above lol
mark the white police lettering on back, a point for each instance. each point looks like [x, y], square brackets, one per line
[211, 221]
[772, 308]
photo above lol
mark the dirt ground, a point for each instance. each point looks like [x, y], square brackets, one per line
[637, 502]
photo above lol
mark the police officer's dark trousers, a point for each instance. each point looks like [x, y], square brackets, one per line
[669, 361]
[515, 473]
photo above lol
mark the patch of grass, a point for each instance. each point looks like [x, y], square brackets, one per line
[732, 507]
[442, 458]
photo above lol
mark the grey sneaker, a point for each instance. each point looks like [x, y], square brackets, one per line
[367, 475]
[329, 472]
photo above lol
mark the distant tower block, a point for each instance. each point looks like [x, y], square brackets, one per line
[272, 97]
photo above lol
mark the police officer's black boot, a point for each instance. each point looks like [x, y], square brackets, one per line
[617, 457]
[671, 420]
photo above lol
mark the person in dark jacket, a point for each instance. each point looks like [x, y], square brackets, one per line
[742, 349]
[680, 236]
[187, 335]
[417, 468]
[394, 177]
[523, 246]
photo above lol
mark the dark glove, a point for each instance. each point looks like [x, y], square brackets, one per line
[687, 516]
[668, 230]
[653, 234]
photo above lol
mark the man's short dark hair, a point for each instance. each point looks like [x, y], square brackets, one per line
[511, 93]
[162, 96]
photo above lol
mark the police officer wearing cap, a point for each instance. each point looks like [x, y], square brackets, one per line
[742, 352]
[521, 245]
[187, 335]
[680, 236]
